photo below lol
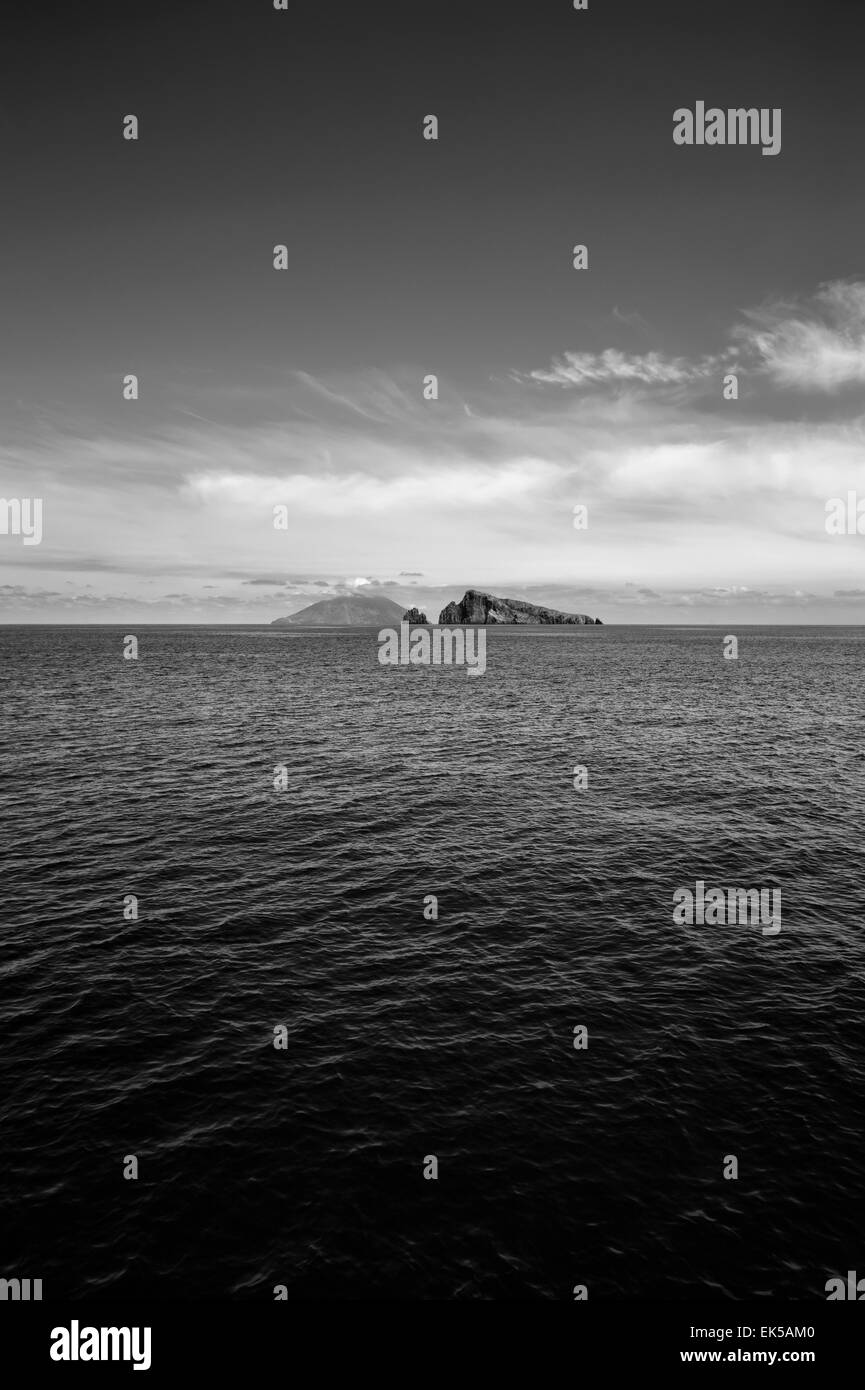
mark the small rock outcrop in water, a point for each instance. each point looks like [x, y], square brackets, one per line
[479, 608]
[414, 615]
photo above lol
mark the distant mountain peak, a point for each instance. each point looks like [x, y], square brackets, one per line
[354, 610]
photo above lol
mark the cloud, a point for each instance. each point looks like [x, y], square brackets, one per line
[646, 369]
[434, 483]
[815, 345]
[812, 344]
[633, 319]
[686, 494]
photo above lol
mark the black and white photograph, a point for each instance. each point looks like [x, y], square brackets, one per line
[432, 588]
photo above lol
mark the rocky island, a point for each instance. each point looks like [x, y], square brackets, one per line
[476, 607]
[414, 615]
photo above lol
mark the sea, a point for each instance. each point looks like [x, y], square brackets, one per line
[281, 925]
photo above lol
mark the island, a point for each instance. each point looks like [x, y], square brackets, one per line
[355, 610]
[478, 608]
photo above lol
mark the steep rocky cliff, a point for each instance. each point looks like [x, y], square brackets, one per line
[477, 608]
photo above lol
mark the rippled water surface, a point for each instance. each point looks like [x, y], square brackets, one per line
[409, 1037]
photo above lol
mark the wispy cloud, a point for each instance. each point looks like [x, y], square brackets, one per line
[631, 318]
[647, 369]
[814, 345]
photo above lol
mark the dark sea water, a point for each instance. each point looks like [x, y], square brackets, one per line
[409, 1037]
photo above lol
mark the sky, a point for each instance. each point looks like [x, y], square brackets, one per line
[303, 388]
